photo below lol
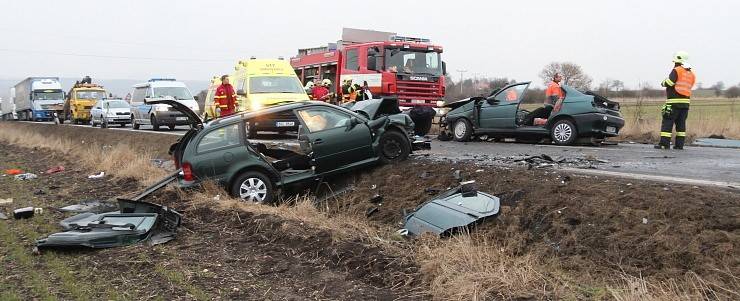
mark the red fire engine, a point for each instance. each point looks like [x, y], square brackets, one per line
[408, 68]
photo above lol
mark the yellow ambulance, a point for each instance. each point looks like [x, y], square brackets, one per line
[259, 83]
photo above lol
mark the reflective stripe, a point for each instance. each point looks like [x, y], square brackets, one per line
[680, 134]
[678, 100]
[220, 96]
[665, 134]
[223, 106]
[668, 82]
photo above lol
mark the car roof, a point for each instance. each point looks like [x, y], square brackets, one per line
[274, 109]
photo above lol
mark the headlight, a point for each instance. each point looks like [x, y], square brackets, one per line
[440, 103]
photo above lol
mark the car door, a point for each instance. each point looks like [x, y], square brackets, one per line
[217, 150]
[499, 111]
[335, 140]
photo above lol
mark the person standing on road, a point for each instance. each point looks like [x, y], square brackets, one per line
[678, 87]
[553, 101]
[226, 97]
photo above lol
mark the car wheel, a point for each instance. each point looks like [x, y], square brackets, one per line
[253, 186]
[394, 147]
[563, 132]
[155, 124]
[104, 123]
[172, 127]
[123, 125]
[462, 130]
[133, 123]
[92, 123]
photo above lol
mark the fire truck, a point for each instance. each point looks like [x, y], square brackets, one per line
[408, 68]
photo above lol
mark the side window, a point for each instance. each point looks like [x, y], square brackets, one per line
[321, 119]
[224, 137]
[511, 94]
[351, 61]
[148, 92]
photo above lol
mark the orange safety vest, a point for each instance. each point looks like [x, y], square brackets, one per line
[685, 81]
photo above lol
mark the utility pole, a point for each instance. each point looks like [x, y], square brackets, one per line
[461, 79]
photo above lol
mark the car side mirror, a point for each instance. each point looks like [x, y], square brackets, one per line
[444, 68]
[196, 97]
[241, 92]
[353, 122]
[492, 101]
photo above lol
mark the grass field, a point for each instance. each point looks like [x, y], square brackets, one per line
[706, 117]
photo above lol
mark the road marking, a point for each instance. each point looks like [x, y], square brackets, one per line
[665, 179]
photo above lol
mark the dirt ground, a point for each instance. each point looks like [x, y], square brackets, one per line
[588, 229]
[217, 255]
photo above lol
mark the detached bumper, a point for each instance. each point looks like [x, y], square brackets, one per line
[420, 143]
[599, 124]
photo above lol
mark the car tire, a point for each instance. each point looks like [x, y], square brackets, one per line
[155, 123]
[172, 127]
[92, 123]
[134, 125]
[563, 132]
[123, 125]
[253, 186]
[103, 123]
[393, 147]
[462, 130]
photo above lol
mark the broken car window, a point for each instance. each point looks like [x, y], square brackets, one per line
[320, 119]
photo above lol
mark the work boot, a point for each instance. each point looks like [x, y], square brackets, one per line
[679, 142]
[678, 147]
[661, 146]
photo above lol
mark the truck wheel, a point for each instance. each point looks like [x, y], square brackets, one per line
[563, 132]
[462, 130]
[393, 147]
[134, 124]
[253, 186]
[155, 124]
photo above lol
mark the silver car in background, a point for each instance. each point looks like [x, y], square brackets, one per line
[110, 111]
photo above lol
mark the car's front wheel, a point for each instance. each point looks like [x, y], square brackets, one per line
[394, 147]
[563, 132]
[462, 130]
[134, 124]
[155, 123]
[253, 186]
[104, 122]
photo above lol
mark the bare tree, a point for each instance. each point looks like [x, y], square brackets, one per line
[718, 87]
[732, 92]
[572, 75]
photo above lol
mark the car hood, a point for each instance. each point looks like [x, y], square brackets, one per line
[193, 117]
[374, 108]
[459, 103]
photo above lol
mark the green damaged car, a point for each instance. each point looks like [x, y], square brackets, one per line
[329, 140]
[583, 116]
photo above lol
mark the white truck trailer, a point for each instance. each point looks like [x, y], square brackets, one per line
[38, 98]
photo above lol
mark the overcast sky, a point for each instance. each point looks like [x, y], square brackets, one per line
[628, 40]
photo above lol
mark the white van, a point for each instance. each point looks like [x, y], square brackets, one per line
[160, 114]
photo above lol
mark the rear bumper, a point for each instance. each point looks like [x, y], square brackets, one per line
[598, 124]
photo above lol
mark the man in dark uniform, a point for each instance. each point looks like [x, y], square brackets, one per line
[678, 87]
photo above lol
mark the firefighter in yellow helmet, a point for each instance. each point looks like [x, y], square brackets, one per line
[678, 87]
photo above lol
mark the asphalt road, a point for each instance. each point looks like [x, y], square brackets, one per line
[698, 165]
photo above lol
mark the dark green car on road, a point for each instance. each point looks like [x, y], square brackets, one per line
[501, 115]
[329, 140]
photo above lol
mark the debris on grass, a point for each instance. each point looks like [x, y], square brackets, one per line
[26, 176]
[97, 176]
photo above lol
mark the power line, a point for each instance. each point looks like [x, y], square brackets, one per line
[116, 57]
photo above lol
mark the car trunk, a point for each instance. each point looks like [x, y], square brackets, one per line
[612, 107]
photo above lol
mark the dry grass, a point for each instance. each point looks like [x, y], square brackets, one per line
[117, 160]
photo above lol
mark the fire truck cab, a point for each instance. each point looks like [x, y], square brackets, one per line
[408, 68]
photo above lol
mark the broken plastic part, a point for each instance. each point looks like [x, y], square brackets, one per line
[20, 213]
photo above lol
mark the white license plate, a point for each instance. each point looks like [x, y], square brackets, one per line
[181, 118]
[284, 123]
[611, 129]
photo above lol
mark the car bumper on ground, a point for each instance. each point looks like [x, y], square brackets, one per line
[599, 124]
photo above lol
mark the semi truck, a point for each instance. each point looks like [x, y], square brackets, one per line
[37, 98]
[408, 68]
[7, 108]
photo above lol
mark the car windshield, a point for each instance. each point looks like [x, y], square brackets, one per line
[48, 95]
[275, 84]
[117, 104]
[91, 95]
[413, 61]
[179, 93]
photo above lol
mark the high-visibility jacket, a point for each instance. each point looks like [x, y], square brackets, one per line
[553, 93]
[225, 99]
[678, 85]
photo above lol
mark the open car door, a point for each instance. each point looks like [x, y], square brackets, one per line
[196, 124]
[499, 110]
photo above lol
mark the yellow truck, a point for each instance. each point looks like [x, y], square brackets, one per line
[259, 83]
[80, 101]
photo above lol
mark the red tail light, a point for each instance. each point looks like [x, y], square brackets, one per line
[187, 172]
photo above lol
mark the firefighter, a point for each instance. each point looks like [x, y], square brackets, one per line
[321, 91]
[225, 98]
[349, 91]
[678, 91]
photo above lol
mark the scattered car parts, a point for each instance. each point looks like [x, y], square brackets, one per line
[452, 211]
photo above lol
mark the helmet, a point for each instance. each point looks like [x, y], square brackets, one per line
[681, 57]
[326, 82]
[309, 85]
